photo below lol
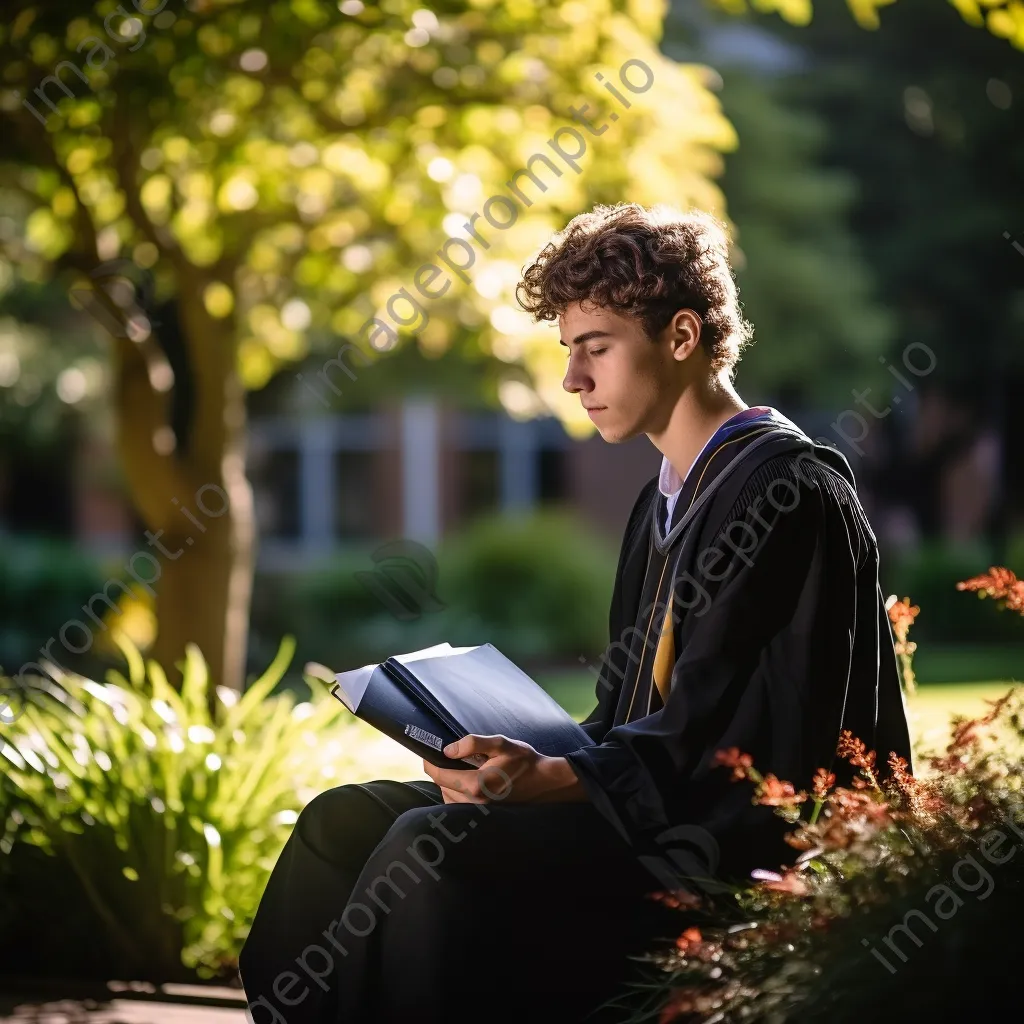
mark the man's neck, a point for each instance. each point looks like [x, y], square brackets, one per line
[697, 414]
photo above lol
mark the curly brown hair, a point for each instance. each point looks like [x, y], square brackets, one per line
[646, 263]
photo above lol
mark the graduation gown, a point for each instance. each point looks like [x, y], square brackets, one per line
[745, 626]
[757, 622]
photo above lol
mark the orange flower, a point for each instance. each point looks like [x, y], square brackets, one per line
[691, 941]
[772, 792]
[901, 615]
[790, 882]
[799, 840]
[837, 836]
[920, 796]
[678, 898]
[1000, 584]
[689, 1000]
[965, 729]
[861, 804]
[856, 752]
[680, 1003]
[823, 782]
[734, 759]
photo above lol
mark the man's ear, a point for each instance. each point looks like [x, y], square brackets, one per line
[684, 331]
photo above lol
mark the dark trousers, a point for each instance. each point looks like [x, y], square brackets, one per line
[387, 904]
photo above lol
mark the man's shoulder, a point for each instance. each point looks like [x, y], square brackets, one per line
[791, 460]
[808, 488]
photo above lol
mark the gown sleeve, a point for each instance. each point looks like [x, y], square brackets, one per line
[763, 667]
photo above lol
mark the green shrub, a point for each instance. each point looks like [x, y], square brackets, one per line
[536, 586]
[858, 925]
[45, 583]
[948, 616]
[158, 822]
[333, 616]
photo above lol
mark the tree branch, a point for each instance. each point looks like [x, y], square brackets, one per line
[239, 230]
[154, 479]
[37, 143]
[125, 164]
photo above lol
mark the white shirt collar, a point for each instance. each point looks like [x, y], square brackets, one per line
[671, 484]
[669, 481]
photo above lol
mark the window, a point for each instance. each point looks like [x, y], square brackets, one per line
[480, 482]
[354, 495]
[275, 480]
[552, 466]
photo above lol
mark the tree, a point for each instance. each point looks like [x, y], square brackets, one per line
[288, 174]
[1003, 18]
[804, 283]
[49, 367]
[934, 144]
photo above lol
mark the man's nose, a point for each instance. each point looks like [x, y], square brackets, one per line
[574, 381]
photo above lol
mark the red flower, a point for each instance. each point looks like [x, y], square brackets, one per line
[855, 750]
[823, 782]
[680, 1003]
[772, 792]
[790, 883]
[837, 836]
[734, 759]
[678, 898]
[689, 1000]
[998, 583]
[863, 804]
[965, 729]
[902, 615]
[857, 753]
[799, 840]
[689, 940]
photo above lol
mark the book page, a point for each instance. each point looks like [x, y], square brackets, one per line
[352, 684]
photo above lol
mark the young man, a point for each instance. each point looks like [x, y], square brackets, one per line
[746, 613]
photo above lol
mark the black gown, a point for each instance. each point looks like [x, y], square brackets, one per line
[769, 578]
[388, 905]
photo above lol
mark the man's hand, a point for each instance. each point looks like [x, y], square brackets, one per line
[509, 770]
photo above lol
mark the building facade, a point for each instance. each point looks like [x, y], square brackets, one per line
[419, 469]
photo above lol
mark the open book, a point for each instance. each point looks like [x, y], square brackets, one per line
[429, 698]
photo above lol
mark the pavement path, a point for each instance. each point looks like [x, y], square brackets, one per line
[174, 1004]
[119, 1011]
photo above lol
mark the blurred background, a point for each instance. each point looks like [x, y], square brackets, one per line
[230, 414]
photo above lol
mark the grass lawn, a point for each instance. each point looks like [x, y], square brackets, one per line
[931, 706]
[929, 709]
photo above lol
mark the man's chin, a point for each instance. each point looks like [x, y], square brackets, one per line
[615, 433]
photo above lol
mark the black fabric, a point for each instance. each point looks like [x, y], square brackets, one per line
[782, 639]
[388, 905]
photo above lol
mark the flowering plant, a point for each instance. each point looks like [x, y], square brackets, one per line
[847, 930]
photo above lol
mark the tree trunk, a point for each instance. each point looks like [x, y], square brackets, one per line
[194, 498]
[204, 593]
